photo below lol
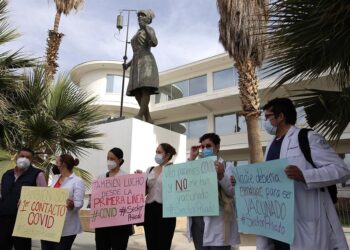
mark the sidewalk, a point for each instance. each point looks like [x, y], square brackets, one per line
[86, 241]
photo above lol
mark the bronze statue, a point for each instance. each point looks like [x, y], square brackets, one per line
[143, 77]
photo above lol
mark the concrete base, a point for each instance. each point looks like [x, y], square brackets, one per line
[137, 139]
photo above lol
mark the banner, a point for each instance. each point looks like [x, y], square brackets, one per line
[190, 189]
[118, 200]
[265, 200]
[41, 213]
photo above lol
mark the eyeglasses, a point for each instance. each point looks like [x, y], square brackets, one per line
[267, 116]
[203, 146]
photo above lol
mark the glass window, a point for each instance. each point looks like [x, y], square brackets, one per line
[225, 78]
[179, 90]
[229, 124]
[225, 124]
[114, 84]
[301, 117]
[198, 85]
[197, 128]
[192, 129]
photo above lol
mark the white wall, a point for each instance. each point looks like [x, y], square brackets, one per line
[137, 139]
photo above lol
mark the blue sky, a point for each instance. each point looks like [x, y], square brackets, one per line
[187, 30]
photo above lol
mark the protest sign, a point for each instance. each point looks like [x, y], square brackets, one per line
[41, 213]
[190, 189]
[265, 200]
[118, 200]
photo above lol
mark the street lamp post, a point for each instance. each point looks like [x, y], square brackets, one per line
[119, 27]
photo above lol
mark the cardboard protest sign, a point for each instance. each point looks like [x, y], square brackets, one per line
[41, 213]
[190, 189]
[265, 200]
[118, 200]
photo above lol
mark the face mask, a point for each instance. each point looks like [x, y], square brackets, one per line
[23, 163]
[270, 128]
[111, 165]
[207, 152]
[158, 159]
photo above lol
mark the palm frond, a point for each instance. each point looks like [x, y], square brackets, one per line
[328, 112]
[308, 39]
[66, 6]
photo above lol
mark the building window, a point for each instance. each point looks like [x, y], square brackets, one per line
[191, 128]
[225, 78]
[229, 123]
[198, 85]
[189, 87]
[114, 84]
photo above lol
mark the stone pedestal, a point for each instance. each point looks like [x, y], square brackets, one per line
[138, 140]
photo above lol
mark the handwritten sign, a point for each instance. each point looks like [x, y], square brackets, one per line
[265, 200]
[41, 213]
[118, 200]
[190, 189]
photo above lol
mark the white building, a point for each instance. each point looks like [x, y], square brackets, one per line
[196, 98]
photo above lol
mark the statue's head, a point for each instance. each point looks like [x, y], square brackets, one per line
[147, 14]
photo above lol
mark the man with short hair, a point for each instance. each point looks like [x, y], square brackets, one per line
[23, 174]
[215, 232]
[316, 223]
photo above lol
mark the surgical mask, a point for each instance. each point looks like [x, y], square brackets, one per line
[269, 127]
[23, 163]
[207, 152]
[111, 164]
[158, 159]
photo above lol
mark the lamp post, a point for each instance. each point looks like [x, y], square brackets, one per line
[119, 27]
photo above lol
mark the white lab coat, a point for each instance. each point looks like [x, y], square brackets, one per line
[213, 234]
[317, 225]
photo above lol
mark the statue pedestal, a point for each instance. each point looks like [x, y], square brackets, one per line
[137, 139]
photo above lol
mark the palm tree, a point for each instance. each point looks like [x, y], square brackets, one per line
[242, 24]
[10, 62]
[52, 119]
[310, 39]
[54, 39]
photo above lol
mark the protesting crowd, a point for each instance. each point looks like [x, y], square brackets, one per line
[316, 223]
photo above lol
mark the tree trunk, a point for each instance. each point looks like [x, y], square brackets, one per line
[57, 21]
[248, 89]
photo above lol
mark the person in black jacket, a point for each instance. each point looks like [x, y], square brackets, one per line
[23, 174]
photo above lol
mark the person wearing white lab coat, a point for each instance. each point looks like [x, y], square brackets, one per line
[215, 232]
[316, 223]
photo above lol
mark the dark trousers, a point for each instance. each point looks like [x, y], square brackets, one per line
[7, 241]
[159, 231]
[115, 238]
[65, 243]
[280, 245]
[197, 231]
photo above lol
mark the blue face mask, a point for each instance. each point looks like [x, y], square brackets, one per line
[270, 128]
[207, 152]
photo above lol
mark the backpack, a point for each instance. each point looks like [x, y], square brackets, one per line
[305, 149]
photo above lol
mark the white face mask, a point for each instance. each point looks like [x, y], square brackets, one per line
[111, 164]
[22, 163]
[158, 159]
[269, 127]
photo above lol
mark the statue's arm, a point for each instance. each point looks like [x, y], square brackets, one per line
[127, 65]
[151, 35]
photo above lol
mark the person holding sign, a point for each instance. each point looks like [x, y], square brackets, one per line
[215, 232]
[159, 231]
[68, 180]
[316, 224]
[115, 237]
[24, 174]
